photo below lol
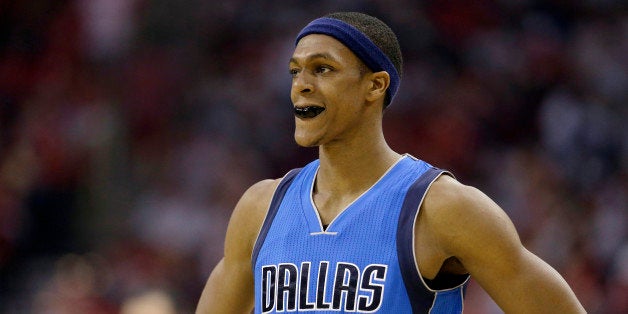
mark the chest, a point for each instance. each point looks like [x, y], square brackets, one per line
[351, 265]
[329, 206]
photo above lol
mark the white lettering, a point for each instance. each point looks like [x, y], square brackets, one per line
[286, 287]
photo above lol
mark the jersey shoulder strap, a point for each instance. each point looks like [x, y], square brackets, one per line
[281, 190]
[420, 297]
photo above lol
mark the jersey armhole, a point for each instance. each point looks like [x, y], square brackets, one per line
[419, 293]
[281, 190]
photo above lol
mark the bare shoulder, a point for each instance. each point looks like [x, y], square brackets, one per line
[248, 216]
[257, 198]
[230, 287]
[462, 222]
[446, 195]
[461, 218]
[447, 198]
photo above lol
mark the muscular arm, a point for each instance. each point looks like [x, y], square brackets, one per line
[230, 287]
[467, 225]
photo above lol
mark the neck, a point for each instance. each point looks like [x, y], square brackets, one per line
[354, 166]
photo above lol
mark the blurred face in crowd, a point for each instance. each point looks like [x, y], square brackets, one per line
[328, 91]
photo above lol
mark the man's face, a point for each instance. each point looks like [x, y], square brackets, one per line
[328, 90]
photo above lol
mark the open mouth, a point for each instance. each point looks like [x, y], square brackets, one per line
[308, 112]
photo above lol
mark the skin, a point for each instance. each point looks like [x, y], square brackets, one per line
[353, 156]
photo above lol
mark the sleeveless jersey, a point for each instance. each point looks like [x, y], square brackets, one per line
[362, 262]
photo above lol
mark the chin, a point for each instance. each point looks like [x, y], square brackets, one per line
[305, 141]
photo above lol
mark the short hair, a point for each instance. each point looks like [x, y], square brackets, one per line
[379, 33]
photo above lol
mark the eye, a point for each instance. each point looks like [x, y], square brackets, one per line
[294, 72]
[322, 69]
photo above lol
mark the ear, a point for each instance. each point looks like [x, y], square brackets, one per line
[379, 82]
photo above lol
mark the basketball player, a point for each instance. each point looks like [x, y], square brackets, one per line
[363, 228]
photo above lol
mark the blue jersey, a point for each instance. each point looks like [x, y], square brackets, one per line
[362, 262]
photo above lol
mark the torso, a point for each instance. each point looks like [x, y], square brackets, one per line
[344, 217]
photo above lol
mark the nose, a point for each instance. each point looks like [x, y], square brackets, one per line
[302, 83]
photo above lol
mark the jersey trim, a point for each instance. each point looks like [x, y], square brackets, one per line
[422, 298]
[341, 213]
[280, 192]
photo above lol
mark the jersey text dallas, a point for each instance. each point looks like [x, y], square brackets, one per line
[287, 288]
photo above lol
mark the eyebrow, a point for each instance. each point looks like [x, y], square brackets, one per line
[320, 55]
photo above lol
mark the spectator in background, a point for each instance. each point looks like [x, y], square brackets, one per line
[106, 103]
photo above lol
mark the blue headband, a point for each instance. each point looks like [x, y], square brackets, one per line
[359, 44]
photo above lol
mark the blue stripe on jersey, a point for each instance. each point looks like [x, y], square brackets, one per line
[448, 301]
[423, 300]
[272, 211]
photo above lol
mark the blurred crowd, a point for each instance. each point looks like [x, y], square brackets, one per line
[129, 129]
